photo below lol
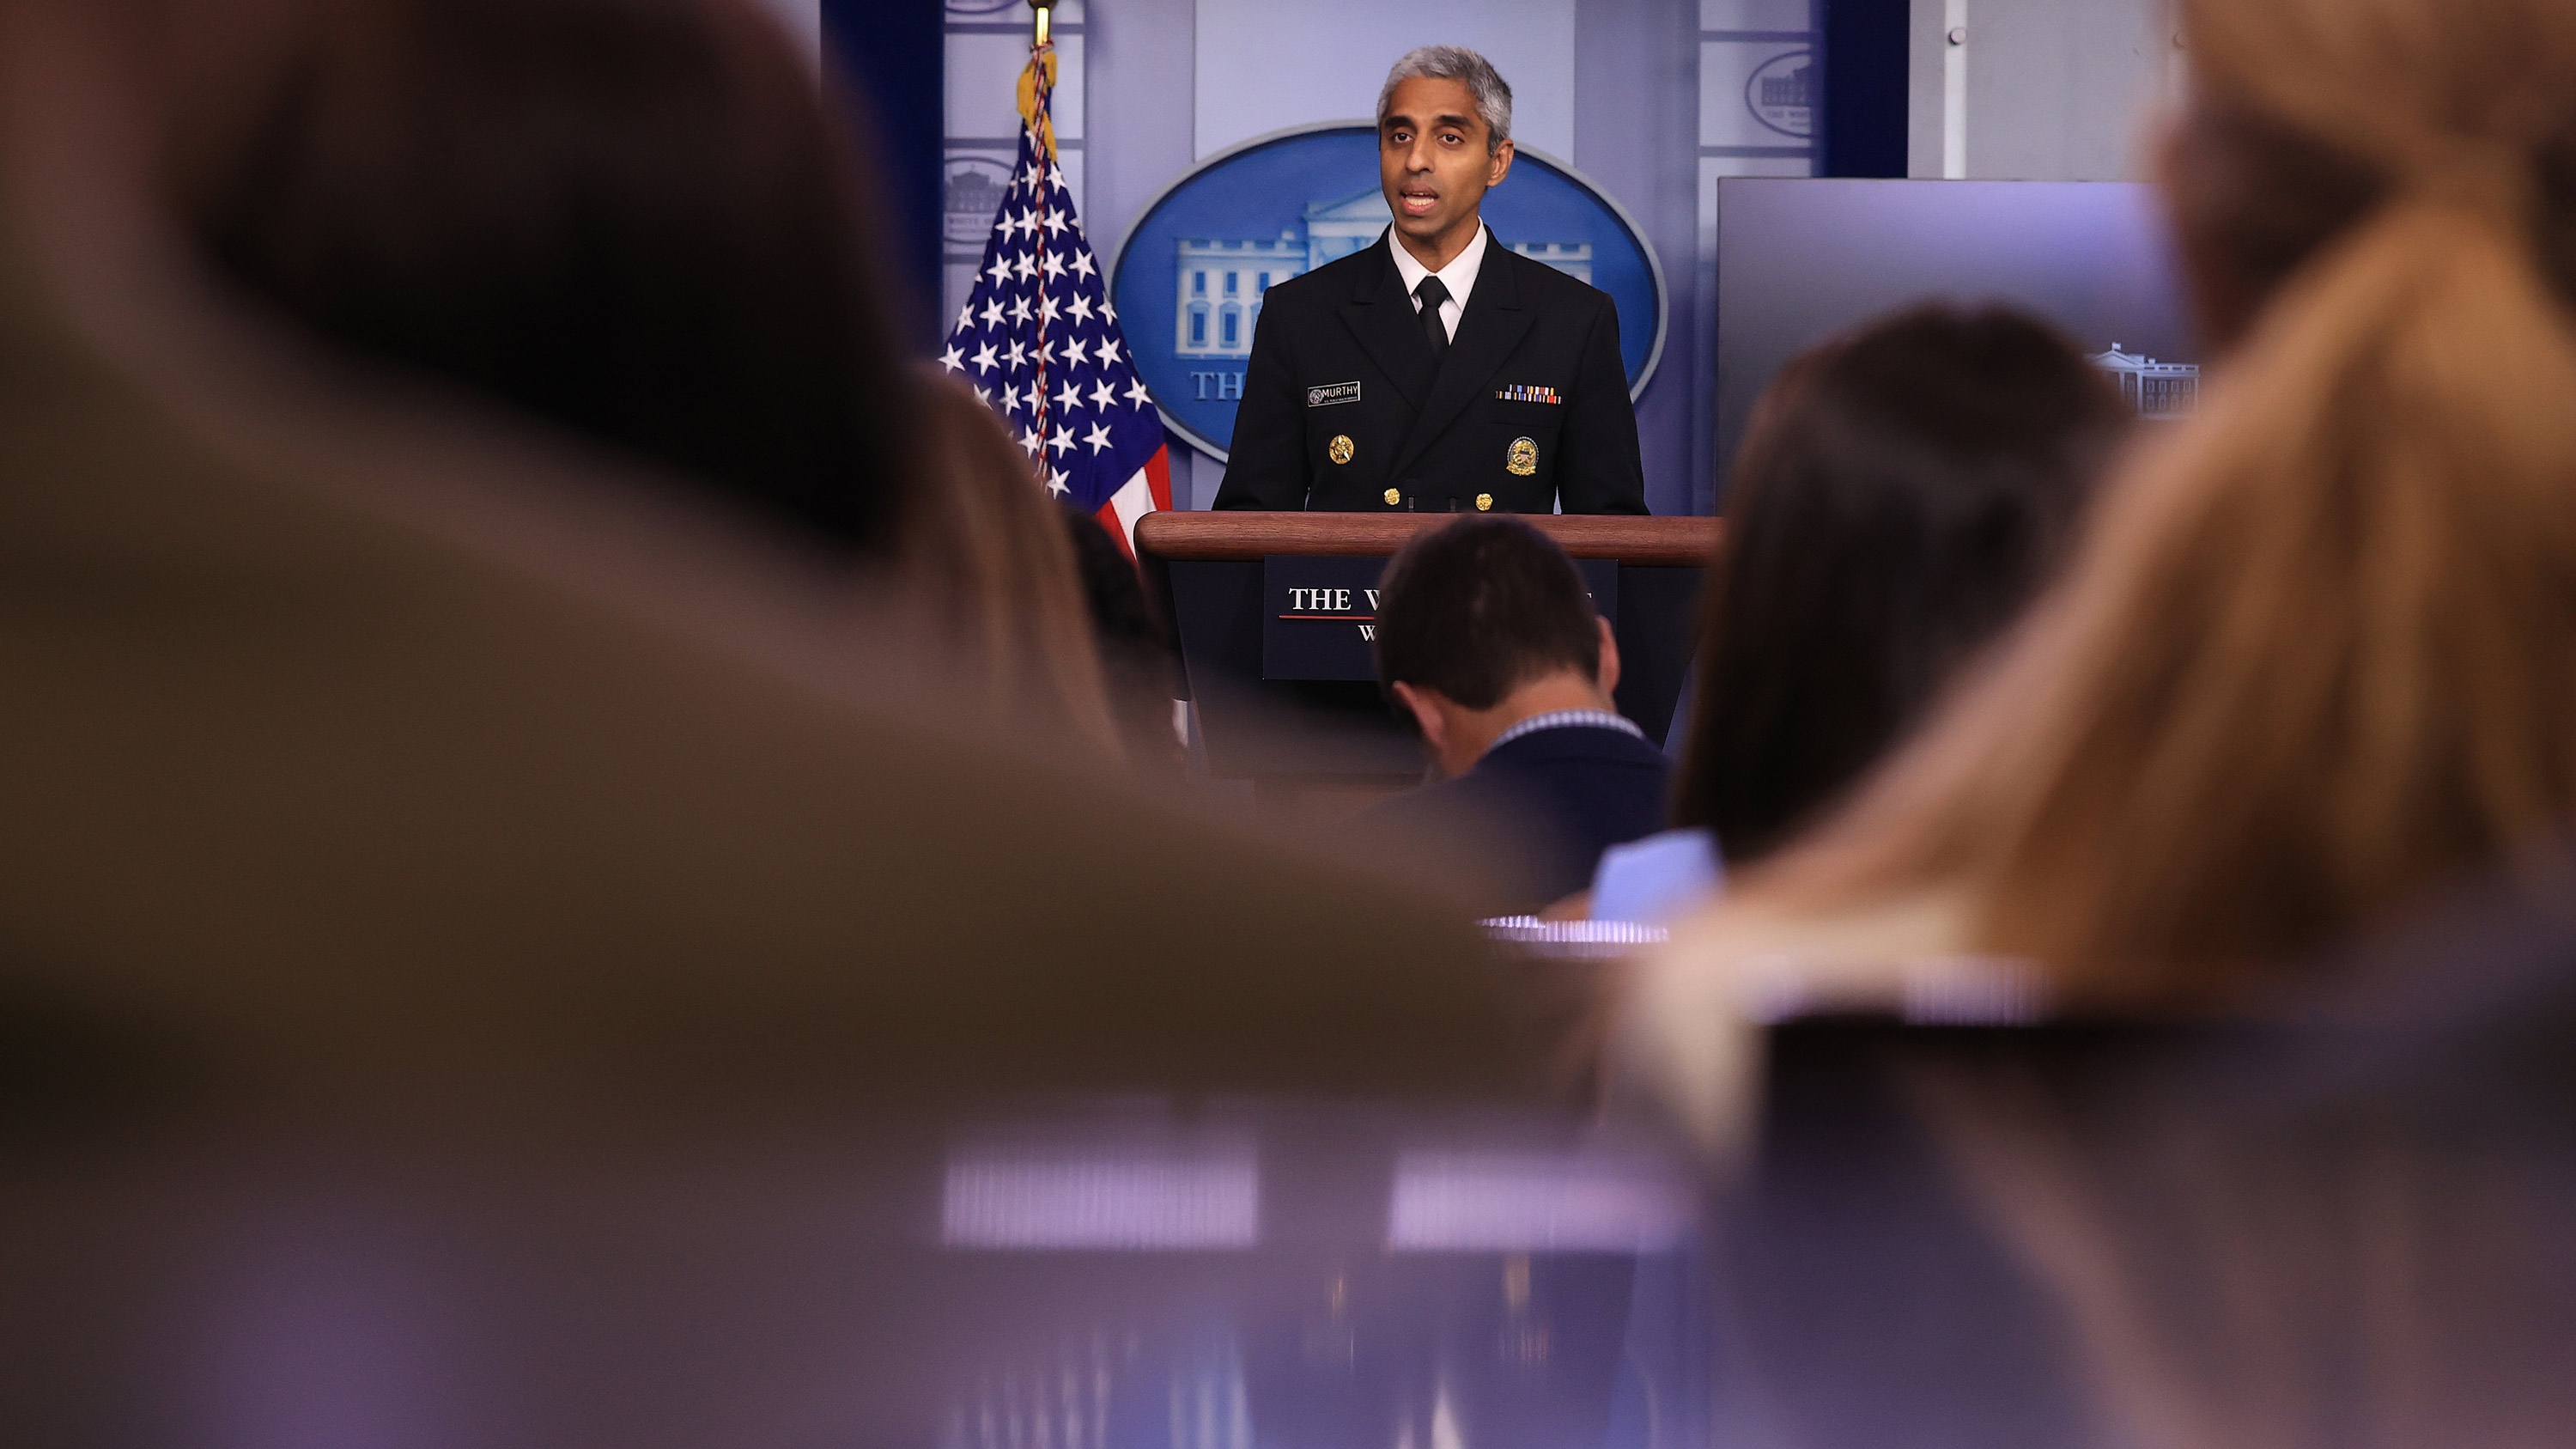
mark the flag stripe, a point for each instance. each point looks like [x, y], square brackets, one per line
[1133, 500]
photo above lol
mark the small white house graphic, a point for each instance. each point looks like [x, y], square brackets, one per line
[2161, 390]
[1795, 90]
[1222, 282]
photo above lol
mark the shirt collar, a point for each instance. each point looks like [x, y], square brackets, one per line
[1559, 719]
[1459, 276]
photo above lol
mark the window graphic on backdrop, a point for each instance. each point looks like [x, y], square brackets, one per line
[1191, 277]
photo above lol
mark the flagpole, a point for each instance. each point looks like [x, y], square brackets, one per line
[1041, 118]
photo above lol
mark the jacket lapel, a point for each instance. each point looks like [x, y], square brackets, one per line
[1488, 329]
[1381, 316]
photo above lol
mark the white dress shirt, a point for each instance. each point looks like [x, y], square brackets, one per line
[1459, 276]
[1557, 719]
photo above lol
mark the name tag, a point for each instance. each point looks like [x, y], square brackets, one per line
[1523, 392]
[1339, 392]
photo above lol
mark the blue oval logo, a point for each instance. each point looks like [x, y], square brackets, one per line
[1190, 276]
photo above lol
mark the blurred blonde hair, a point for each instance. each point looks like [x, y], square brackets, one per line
[985, 556]
[2319, 651]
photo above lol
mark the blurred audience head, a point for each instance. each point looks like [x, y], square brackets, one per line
[1483, 622]
[2339, 1225]
[2320, 130]
[636, 219]
[1901, 494]
[985, 561]
[2311, 663]
[2344, 1229]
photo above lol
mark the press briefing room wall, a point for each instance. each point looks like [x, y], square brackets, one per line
[1651, 100]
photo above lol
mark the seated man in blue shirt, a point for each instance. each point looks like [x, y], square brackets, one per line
[1488, 643]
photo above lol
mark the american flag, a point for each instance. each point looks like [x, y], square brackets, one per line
[1040, 341]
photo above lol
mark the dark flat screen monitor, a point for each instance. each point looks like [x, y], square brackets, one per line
[1799, 261]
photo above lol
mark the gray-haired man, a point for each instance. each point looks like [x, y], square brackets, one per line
[1437, 371]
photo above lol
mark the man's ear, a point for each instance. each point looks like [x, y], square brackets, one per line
[1501, 164]
[1426, 714]
[1608, 678]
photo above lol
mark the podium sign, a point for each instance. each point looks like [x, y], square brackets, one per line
[1319, 612]
[1290, 715]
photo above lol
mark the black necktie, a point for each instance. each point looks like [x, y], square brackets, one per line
[1432, 294]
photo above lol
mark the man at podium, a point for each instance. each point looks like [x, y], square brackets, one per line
[1436, 370]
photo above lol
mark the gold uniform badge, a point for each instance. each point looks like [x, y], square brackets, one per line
[1393, 498]
[1340, 449]
[1484, 502]
[1524, 458]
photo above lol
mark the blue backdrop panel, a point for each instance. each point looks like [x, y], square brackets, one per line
[893, 53]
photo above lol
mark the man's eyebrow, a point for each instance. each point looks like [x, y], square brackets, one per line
[1460, 122]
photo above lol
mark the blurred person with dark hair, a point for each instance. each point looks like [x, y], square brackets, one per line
[474, 934]
[983, 560]
[2308, 664]
[1488, 644]
[1135, 648]
[637, 220]
[1901, 494]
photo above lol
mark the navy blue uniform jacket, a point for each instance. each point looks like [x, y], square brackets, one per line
[1565, 794]
[1346, 410]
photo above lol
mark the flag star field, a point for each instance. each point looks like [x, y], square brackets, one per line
[1039, 342]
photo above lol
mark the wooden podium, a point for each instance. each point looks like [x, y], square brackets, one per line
[1288, 735]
